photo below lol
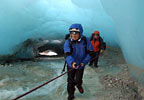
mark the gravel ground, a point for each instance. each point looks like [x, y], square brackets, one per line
[118, 85]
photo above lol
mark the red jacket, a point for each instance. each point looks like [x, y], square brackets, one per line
[97, 42]
[96, 45]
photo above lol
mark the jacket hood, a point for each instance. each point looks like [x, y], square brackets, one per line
[77, 26]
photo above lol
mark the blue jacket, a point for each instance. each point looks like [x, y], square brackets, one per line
[79, 54]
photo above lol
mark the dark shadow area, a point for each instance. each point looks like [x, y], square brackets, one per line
[31, 49]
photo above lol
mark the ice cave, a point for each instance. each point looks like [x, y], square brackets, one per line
[31, 46]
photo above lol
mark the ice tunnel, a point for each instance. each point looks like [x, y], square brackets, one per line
[25, 23]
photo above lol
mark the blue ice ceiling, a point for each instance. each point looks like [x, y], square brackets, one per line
[120, 22]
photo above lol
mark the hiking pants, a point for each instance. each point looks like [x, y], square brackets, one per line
[95, 58]
[74, 79]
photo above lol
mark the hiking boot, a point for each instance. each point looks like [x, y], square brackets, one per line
[81, 90]
[96, 66]
[71, 97]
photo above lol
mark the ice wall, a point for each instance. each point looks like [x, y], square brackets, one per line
[128, 16]
[120, 22]
[23, 19]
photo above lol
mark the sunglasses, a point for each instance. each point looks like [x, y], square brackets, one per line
[96, 34]
[74, 32]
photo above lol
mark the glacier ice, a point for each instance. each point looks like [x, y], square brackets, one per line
[49, 19]
[120, 22]
[128, 17]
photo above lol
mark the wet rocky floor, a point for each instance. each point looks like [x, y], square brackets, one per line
[110, 81]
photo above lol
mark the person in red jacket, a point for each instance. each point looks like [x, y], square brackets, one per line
[98, 46]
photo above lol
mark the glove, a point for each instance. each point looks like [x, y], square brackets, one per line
[74, 65]
[101, 51]
[82, 64]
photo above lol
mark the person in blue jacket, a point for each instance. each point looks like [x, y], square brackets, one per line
[77, 50]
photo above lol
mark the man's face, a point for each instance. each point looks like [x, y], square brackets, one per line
[96, 36]
[75, 36]
[75, 33]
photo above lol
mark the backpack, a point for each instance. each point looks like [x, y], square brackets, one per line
[104, 44]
